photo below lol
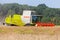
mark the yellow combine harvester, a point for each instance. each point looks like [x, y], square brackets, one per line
[27, 18]
[16, 20]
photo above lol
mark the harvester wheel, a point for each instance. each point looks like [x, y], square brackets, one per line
[6, 24]
[28, 24]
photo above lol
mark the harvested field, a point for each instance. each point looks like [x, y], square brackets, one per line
[29, 33]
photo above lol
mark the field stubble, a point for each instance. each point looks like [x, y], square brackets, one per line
[29, 33]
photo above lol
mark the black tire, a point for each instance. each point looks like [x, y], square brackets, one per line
[29, 24]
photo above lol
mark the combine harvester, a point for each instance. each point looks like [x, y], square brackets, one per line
[29, 18]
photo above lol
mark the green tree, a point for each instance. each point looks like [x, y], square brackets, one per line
[40, 8]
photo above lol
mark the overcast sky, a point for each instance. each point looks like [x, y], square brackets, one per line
[50, 3]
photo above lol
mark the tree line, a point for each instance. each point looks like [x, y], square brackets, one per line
[49, 14]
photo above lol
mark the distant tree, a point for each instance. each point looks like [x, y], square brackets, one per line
[46, 19]
[40, 8]
[10, 12]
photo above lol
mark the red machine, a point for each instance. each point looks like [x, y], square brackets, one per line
[41, 24]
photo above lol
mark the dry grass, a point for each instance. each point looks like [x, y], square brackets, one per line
[30, 30]
[29, 33]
